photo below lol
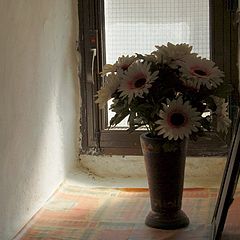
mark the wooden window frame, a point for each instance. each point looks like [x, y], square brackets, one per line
[95, 139]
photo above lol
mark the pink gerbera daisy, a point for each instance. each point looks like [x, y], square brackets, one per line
[197, 72]
[177, 119]
[136, 80]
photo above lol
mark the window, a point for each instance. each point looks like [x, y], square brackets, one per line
[153, 22]
[209, 29]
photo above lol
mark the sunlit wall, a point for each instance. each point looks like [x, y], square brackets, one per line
[38, 105]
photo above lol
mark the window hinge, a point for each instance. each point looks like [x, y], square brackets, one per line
[78, 46]
[98, 138]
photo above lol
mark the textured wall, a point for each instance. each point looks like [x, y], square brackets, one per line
[38, 104]
[197, 168]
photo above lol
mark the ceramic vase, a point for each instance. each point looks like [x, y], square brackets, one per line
[165, 174]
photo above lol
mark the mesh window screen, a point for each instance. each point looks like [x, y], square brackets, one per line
[136, 26]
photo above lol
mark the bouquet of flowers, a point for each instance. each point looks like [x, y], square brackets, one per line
[172, 92]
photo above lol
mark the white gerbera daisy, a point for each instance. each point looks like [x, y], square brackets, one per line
[171, 53]
[105, 93]
[122, 63]
[150, 58]
[136, 80]
[223, 121]
[108, 68]
[178, 119]
[198, 72]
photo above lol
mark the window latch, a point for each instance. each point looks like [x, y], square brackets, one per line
[94, 54]
[92, 51]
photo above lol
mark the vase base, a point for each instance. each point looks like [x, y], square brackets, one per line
[164, 220]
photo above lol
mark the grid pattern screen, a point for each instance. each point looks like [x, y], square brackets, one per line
[136, 26]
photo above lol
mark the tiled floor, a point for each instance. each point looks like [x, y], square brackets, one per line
[118, 214]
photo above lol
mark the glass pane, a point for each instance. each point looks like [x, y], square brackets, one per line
[136, 26]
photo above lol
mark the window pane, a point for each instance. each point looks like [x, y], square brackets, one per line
[136, 26]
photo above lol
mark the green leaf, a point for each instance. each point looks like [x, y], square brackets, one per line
[118, 117]
[132, 128]
[206, 123]
[131, 119]
[224, 90]
[140, 56]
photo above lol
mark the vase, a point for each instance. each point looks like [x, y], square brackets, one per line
[165, 174]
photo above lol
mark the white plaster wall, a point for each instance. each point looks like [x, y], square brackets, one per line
[38, 105]
[134, 167]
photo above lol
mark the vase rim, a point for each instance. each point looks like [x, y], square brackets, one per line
[146, 136]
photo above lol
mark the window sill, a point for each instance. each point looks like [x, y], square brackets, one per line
[120, 143]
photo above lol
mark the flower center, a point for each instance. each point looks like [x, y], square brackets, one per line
[177, 119]
[200, 72]
[140, 82]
